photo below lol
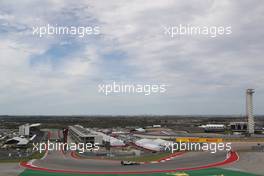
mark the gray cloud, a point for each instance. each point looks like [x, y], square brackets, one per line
[206, 75]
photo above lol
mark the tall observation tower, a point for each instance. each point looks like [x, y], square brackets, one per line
[249, 111]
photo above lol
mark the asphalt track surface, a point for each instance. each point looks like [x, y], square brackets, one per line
[57, 161]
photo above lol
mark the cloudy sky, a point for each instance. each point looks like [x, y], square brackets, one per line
[60, 74]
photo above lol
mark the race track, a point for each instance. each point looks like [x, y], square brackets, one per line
[57, 161]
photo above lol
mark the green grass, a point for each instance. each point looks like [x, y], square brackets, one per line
[148, 158]
[204, 172]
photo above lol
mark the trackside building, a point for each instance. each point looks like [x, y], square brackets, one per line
[80, 134]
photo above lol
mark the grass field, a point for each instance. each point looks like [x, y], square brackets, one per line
[204, 172]
[146, 158]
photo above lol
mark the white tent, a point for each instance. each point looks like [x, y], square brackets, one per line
[140, 129]
[162, 142]
[18, 141]
[149, 144]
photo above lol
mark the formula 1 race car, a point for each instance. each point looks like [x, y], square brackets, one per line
[129, 163]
